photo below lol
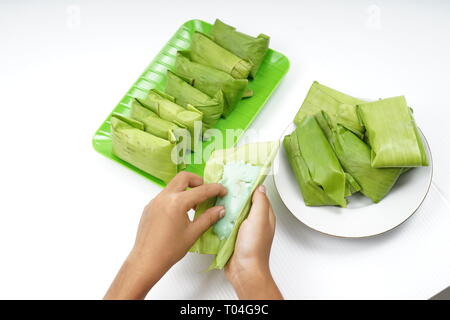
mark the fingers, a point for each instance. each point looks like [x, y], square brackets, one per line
[192, 197]
[206, 220]
[183, 180]
[260, 205]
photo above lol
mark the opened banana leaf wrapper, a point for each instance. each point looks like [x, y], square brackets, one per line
[207, 52]
[154, 155]
[210, 81]
[185, 95]
[242, 45]
[240, 170]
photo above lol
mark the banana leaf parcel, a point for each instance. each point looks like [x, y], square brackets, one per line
[244, 46]
[319, 174]
[211, 81]
[165, 107]
[354, 156]
[339, 106]
[219, 168]
[185, 95]
[207, 52]
[153, 123]
[392, 134]
[143, 150]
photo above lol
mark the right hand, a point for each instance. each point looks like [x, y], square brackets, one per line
[248, 269]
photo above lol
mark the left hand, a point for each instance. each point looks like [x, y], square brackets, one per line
[166, 234]
[165, 231]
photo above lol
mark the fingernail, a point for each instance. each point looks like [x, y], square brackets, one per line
[222, 213]
[262, 189]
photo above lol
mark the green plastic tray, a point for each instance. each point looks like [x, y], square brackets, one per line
[269, 76]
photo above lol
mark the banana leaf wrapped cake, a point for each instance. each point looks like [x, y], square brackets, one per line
[154, 155]
[185, 94]
[392, 133]
[207, 52]
[165, 107]
[319, 174]
[154, 124]
[339, 137]
[355, 157]
[240, 170]
[211, 81]
[339, 106]
[244, 46]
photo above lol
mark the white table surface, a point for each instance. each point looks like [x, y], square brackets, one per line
[68, 215]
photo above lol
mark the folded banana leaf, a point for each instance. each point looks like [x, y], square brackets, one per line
[247, 93]
[256, 154]
[207, 52]
[185, 95]
[351, 185]
[143, 150]
[244, 46]
[165, 107]
[210, 80]
[321, 179]
[339, 106]
[392, 134]
[354, 156]
[153, 123]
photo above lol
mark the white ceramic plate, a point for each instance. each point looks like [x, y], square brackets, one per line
[361, 218]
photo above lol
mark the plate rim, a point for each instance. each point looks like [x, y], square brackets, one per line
[431, 165]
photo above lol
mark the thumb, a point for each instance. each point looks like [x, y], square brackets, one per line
[206, 220]
[260, 205]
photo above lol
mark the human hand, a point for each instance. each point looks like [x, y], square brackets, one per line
[248, 269]
[166, 234]
[165, 231]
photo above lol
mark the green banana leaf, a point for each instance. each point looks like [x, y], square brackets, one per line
[392, 134]
[247, 93]
[210, 80]
[338, 105]
[143, 150]
[244, 46]
[132, 122]
[351, 185]
[154, 124]
[321, 179]
[207, 52]
[165, 107]
[354, 156]
[257, 154]
[185, 95]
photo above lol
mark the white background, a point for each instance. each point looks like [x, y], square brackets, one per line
[68, 215]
